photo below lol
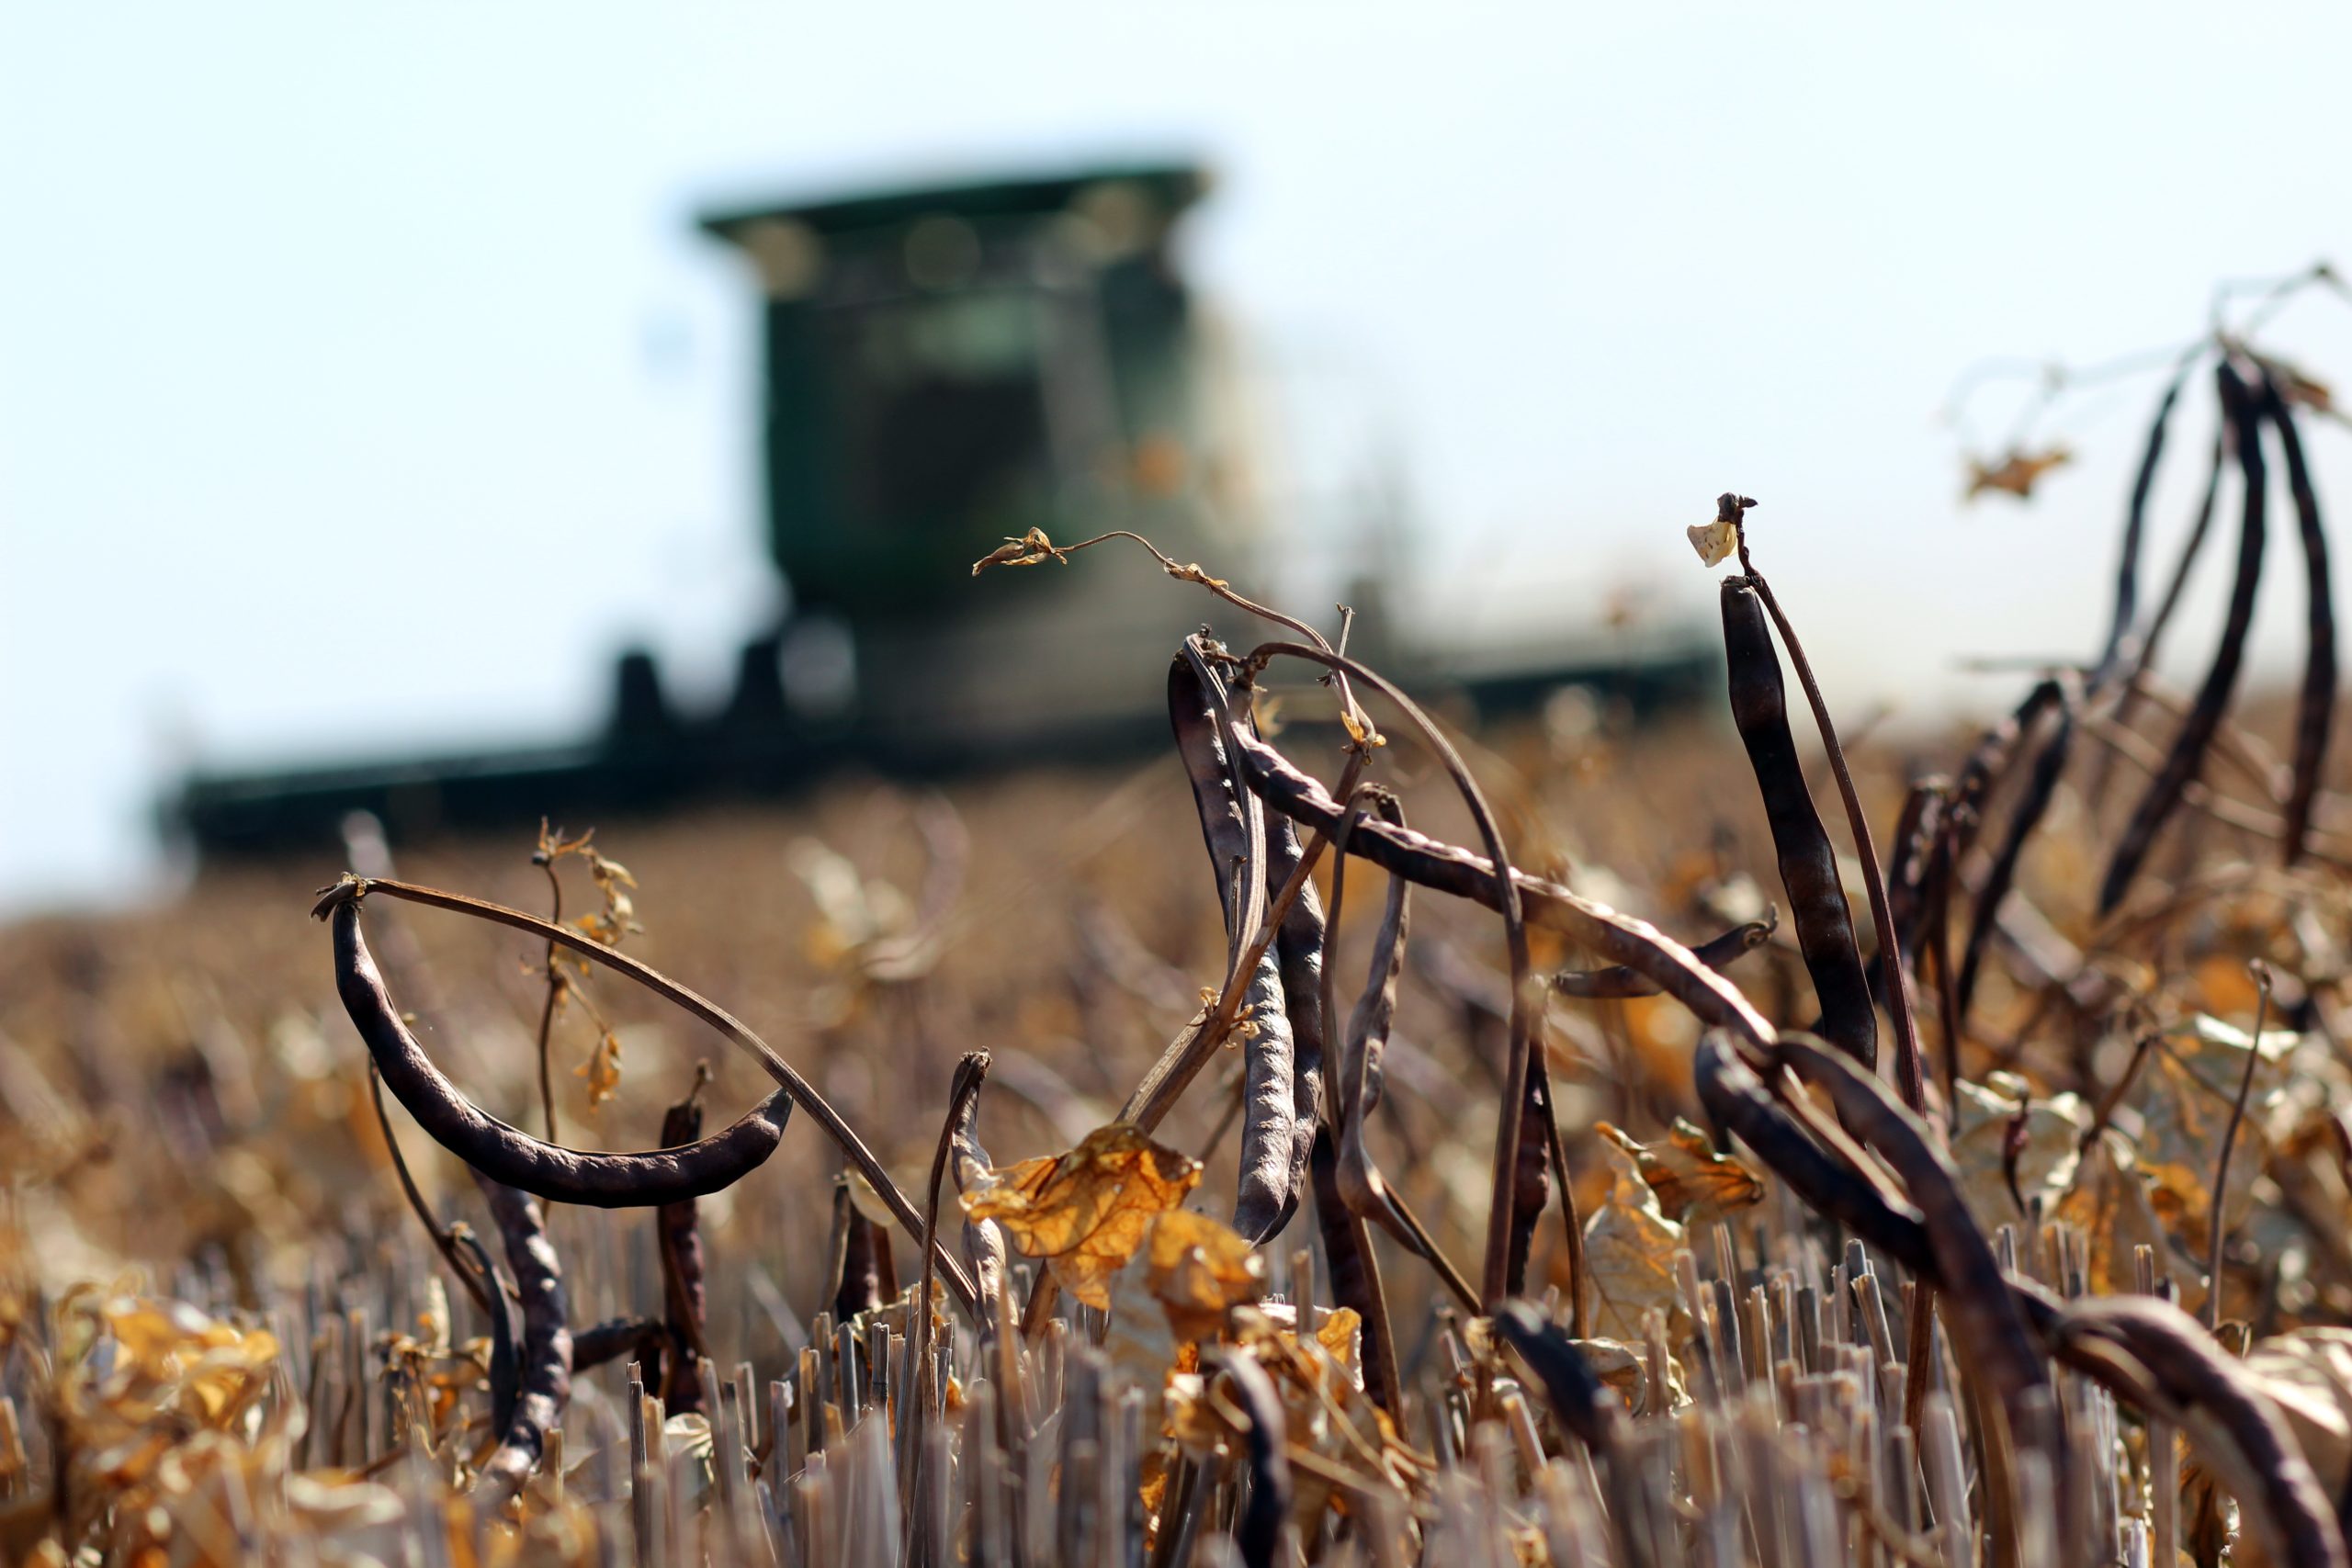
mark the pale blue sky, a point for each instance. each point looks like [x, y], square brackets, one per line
[317, 318]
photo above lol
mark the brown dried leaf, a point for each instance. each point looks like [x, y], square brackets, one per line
[1085, 1213]
[2016, 473]
[1629, 1246]
[1026, 550]
[1691, 1180]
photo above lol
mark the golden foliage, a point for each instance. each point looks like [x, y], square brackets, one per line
[2015, 472]
[1691, 1180]
[1085, 1213]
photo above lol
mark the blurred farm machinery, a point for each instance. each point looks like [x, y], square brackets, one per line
[946, 367]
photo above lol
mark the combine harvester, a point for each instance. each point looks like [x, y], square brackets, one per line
[946, 368]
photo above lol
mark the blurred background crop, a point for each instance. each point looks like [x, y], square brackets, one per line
[369, 382]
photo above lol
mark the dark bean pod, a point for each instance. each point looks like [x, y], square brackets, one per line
[1531, 1174]
[2041, 788]
[505, 1366]
[1234, 828]
[1259, 1532]
[1448, 868]
[1817, 907]
[680, 1237]
[2289, 1506]
[2127, 566]
[1580, 1402]
[1299, 951]
[1619, 981]
[512, 1156]
[641, 1338]
[2189, 748]
[2316, 705]
[1925, 809]
[545, 1351]
[1986, 1318]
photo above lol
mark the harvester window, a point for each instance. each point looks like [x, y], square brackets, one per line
[944, 412]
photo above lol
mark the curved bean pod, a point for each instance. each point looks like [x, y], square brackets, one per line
[680, 1238]
[2127, 566]
[1620, 981]
[545, 1352]
[2315, 708]
[1448, 868]
[1986, 1318]
[1233, 825]
[2163, 792]
[2294, 1515]
[1808, 864]
[2040, 787]
[508, 1154]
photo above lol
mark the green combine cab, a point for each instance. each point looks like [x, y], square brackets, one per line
[944, 368]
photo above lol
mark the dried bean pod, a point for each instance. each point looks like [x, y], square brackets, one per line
[1580, 1401]
[545, 1351]
[682, 1300]
[2315, 707]
[1808, 864]
[2041, 788]
[1356, 1180]
[1258, 1533]
[2291, 1509]
[643, 1338]
[2127, 566]
[506, 1368]
[1845, 1189]
[2188, 752]
[1448, 868]
[984, 1244]
[1986, 1317]
[1619, 981]
[512, 1156]
[1233, 826]
[1300, 945]
[1299, 951]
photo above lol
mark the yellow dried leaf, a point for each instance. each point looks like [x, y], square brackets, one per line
[1713, 540]
[1691, 1180]
[1629, 1246]
[2016, 473]
[1085, 1213]
[602, 1069]
[1197, 1267]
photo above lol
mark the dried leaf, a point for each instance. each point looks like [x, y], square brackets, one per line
[1085, 1213]
[1629, 1246]
[1196, 1268]
[602, 1070]
[1691, 1180]
[2184, 1099]
[2043, 1161]
[1026, 550]
[2017, 472]
[1713, 540]
[2109, 1203]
